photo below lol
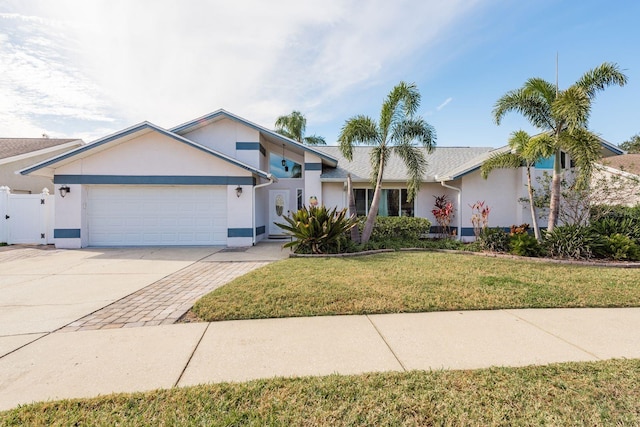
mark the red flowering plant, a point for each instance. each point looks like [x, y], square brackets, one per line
[443, 213]
[479, 217]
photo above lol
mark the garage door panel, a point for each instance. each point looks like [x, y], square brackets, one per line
[157, 215]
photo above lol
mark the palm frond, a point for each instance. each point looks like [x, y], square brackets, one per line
[416, 163]
[506, 160]
[403, 101]
[358, 130]
[539, 147]
[541, 88]
[414, 130]
[314, 140]
[533, 107]
[585, 149]
[292, 125]
[598, 78]
[572, 107]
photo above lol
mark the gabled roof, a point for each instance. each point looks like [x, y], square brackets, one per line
[204, 120]
[130, 133]
[26, 147]
[440, 162]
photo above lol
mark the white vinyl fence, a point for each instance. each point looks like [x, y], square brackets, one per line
[26, 218]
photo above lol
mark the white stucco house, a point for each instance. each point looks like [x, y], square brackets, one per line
[223, 180]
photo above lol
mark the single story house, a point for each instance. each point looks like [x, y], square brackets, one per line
[19, 153]
[223, 180]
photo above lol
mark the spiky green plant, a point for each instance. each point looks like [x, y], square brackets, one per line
[318, 230]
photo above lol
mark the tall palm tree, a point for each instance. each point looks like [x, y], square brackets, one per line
[524, 151]
[563, 116]
[397, 131]
[294, 126]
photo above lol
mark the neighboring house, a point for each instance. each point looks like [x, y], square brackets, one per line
[616, 180]
[18, 153]
[223, 180]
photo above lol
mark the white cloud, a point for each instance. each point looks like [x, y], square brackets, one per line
[444, 104]
[119, 62]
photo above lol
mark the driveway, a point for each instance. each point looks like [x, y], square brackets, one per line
[42, 291]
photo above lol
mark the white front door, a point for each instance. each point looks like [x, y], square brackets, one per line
[278, 207]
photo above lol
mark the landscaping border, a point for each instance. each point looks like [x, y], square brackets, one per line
[606, 264]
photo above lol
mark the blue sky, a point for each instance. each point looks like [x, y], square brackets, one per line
[74, 68]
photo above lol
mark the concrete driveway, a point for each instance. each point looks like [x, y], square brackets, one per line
[41, 290]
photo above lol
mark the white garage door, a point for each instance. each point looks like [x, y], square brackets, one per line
[157, 215]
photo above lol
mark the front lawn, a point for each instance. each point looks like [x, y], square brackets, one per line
[598, 393]
[415, 282]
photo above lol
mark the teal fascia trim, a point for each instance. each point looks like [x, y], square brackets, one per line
[313, 166]
[154, 180]
[66, 233]
[251, 146]
[239, 232]
[261, 230]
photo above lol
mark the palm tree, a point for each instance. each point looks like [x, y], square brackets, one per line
[397, 131]
[563, 117]
[525, 151]
[294, 126]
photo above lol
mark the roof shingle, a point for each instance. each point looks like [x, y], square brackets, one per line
[10, 147]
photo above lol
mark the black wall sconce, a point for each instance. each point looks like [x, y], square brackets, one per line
[238, 191]
[64, 190]
[284, 162]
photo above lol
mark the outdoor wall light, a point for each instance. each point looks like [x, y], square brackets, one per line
[238, 191]
[64, 190]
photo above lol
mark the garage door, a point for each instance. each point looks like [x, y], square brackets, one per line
[157, 215]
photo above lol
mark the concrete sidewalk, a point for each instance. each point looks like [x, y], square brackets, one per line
[90, 363]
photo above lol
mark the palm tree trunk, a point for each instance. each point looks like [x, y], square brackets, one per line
[373, 210]
[534, 214]
[554, 205]
[355, 232]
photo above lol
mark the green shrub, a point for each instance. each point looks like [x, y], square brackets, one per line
[524, 244]
[400, 227]
[623, 225]
[318, 230]
[621, 248]
[573, 241]
[494, 240]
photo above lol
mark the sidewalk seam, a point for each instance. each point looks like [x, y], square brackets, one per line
[191, 356]
[404, 368]
[552, 334]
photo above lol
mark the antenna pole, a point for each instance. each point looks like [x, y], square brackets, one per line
[556, 74]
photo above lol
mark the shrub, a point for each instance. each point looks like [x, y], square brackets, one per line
[318, 230]
[524, 244]
[573, 241]
[519, 229]
[626, 226]
[494, 240]
[400, 227]
[444, 213]
[621, 248]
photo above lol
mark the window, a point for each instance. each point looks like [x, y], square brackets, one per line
[300, 198]
[290, 169]
[393, 202]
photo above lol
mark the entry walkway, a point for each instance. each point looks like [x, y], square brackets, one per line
[97, 362]
[165, 301]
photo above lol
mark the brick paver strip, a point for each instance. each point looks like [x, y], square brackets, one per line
[166, 300]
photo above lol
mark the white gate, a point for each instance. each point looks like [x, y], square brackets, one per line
[26, 218]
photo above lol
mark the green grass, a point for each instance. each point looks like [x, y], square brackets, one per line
[415, 282]
[598, 393]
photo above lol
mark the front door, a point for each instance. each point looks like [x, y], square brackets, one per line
[278, 207]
